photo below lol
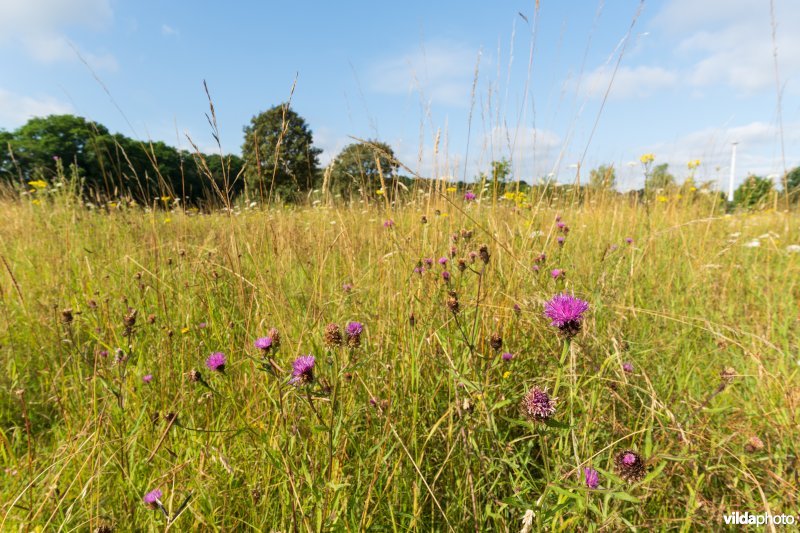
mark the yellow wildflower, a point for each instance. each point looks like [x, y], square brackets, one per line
[506, 374]
[379, 192]
[185, 330]
[693, 164]
[647, 158]
[451, 189]
[38, 184]
[662, 199]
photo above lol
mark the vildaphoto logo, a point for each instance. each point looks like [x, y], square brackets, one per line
[744, 519]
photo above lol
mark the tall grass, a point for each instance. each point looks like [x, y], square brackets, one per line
[419, 428]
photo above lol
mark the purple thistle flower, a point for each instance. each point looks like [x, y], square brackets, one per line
[629, 240]
[103, 353]
[537, 405]
[428, 261]
[627, 367]
[469, 196]
[216, 362]
[631, 466]
[541, 258]
[561, 225]
[592, 478]
[560, 241]
[353, 332]
[443, 261]
[558, 218]
[263, 343]
[347, 287]
[557, 273]
[507, 356]
[613, 247]
[153, 499]
[535, 268]
[446, 276]
[388, 223]
[419, 270]
[147, 378]
[202, 325]
[517, 309]
[566, 313]
[302, 370]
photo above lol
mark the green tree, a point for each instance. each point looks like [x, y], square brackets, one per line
[793, 179]
[752, 191]
[659, 178]
[279, 152]
[356, 167]
[603, 177]
[73, 139]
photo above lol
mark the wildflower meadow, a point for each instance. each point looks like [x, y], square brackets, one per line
[449, 363]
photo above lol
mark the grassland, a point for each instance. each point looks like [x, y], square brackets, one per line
[419, 428]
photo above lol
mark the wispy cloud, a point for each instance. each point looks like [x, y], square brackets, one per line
[730, 41]
[39, 26]
[169, 31]
[16, 109]
[441, 71]
[629, 82]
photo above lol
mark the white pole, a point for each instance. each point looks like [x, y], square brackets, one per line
[733, 172]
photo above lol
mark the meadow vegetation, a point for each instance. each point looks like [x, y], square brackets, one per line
[685, 364]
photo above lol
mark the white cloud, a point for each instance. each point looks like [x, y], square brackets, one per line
[629, 82]
[15, 109]
[730, 41]
[169, 31]
[441, 71]
[39, 26]
[757, 153]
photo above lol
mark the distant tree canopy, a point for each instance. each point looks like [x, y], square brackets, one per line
[793, 179]
[659, 178]
[111, 165]
[753, 191]
[359, 166]
[279, 153]
[603, 177]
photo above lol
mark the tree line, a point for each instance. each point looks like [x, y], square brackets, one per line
[279, 162]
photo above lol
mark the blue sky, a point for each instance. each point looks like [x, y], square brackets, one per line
[694, 76]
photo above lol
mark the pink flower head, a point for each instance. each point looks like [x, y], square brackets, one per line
[566, 313]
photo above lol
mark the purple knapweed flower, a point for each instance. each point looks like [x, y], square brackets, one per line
[202, 325]
[561, 225]
[263, 343]
[347, 287]
[629, 240]
[469, 196]
[631, 466]
[147, 378]
[153, 499]
[541, 258]
[613, 247]
[535, 268]
[419, 270]
[443, 261]
[627, 367]
[353, 332]
[507, 356]
[302, 370]
[560, 241]
[592, 478]
[537, 405]
[389, 223]
[428, 261]
[557, 273]
[446, 276]
[566, 313]
[216, 362]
